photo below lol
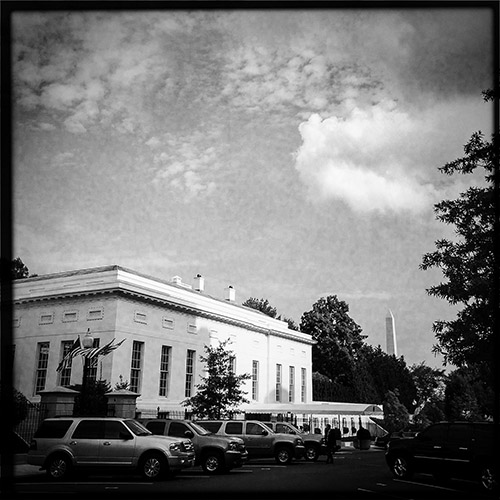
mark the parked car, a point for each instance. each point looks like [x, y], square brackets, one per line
[260, 441]
[214, 453]
[448, 450]
[382, 441]
[314, 443]
[65, 444]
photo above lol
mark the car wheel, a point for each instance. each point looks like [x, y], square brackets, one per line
[312, 453]
[58, 467]
[283, 456]
[401, 467]
[153, 467]
[212, 463]
[488, 477]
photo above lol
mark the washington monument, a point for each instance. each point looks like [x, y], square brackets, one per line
[390, 332]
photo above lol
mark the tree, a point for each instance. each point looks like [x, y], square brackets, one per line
[220, 394]
[261, 305]
[468, 263]
[19, 269]
[338, 338]
[122, 384]
[396, 416]
[92, 401]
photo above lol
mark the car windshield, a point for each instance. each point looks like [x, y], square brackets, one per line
[200, 430]
[137, 428]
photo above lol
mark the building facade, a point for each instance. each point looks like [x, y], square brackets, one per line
[164, 325]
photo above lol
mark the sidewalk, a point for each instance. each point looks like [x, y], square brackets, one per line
[21, 468]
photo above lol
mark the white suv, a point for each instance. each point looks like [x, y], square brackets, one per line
[61, 445]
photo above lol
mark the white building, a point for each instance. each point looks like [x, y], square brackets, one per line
[165, 326]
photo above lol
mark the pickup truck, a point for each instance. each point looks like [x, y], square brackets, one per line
[216, 454]
[260, 441]
[314, 443]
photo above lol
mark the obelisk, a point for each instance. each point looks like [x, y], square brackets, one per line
[390, 332]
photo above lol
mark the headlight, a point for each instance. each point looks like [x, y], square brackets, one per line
[233, 446]
[299, 442]
[175, 447]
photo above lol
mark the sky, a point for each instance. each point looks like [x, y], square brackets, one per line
[290, 153]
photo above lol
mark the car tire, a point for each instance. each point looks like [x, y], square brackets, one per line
[153, 467]
[401, 467]
[312, 453]
[58, 467]
[488, 477]
[212, 463]
[283, 455]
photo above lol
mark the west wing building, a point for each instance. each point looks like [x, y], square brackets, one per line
[164, 326]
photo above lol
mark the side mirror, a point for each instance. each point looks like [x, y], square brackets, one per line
[189, 434]
[264, 433]
[126, 436]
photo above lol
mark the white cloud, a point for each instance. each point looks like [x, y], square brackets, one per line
[363, 160]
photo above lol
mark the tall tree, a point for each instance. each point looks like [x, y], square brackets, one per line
[396, 416]
[220, 394]
[19, 269]
[468, 263]
[261, 305]
[337, 335]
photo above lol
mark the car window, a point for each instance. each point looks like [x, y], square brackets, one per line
[115, 430]
[284, 429]
[200, 430]
[211, 426]
[460, 434]
[234, 428]
[254, 429]
[137, 428]
[156, 427]
[435, 433]
[177, 429]
[269, 425]
[53, 429]
[89, 429]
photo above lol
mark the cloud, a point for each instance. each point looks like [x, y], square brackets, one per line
[364, 161]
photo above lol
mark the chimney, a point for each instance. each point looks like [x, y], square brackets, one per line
[199, 283]
[230, 294]
[177, 280]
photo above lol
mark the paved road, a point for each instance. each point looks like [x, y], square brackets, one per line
[355, 474]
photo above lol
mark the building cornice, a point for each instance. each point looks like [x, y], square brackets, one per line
[117, 281]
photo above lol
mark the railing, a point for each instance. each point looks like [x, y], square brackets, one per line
[35, 413]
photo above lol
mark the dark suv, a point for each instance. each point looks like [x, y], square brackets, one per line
[214, 453]
[260, 441]
[448, 449]
[65, 444]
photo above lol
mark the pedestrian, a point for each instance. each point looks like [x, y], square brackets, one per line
[330, 444]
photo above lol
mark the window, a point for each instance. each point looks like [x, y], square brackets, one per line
[115, 430]
[89, 429]
[41, 366]
[291, 385]
[189, 372]
[254, 429]
[46, 318]
[167, 323]
[234, 428]
[232, 364]
[303, 386]
[70, 316]
[95, 313]
[156, 427]
[192, 328]
[136, 366]
[65, 374]
[178, 429]
[53, 429]
[93, 363]
[255, 380]
[140, 317]
[278, 383]
[164, 369]
[211, 426]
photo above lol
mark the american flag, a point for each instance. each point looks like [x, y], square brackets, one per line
[89, 353]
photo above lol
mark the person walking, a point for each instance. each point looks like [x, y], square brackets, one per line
[330, 444]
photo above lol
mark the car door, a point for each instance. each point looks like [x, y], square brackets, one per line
[258, 439]
[117, 447]
[457, 454]
[429, 448]
[85, 441]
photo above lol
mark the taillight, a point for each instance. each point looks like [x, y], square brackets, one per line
[33, 444]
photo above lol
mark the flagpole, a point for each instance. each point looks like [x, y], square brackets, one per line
[87, 342]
